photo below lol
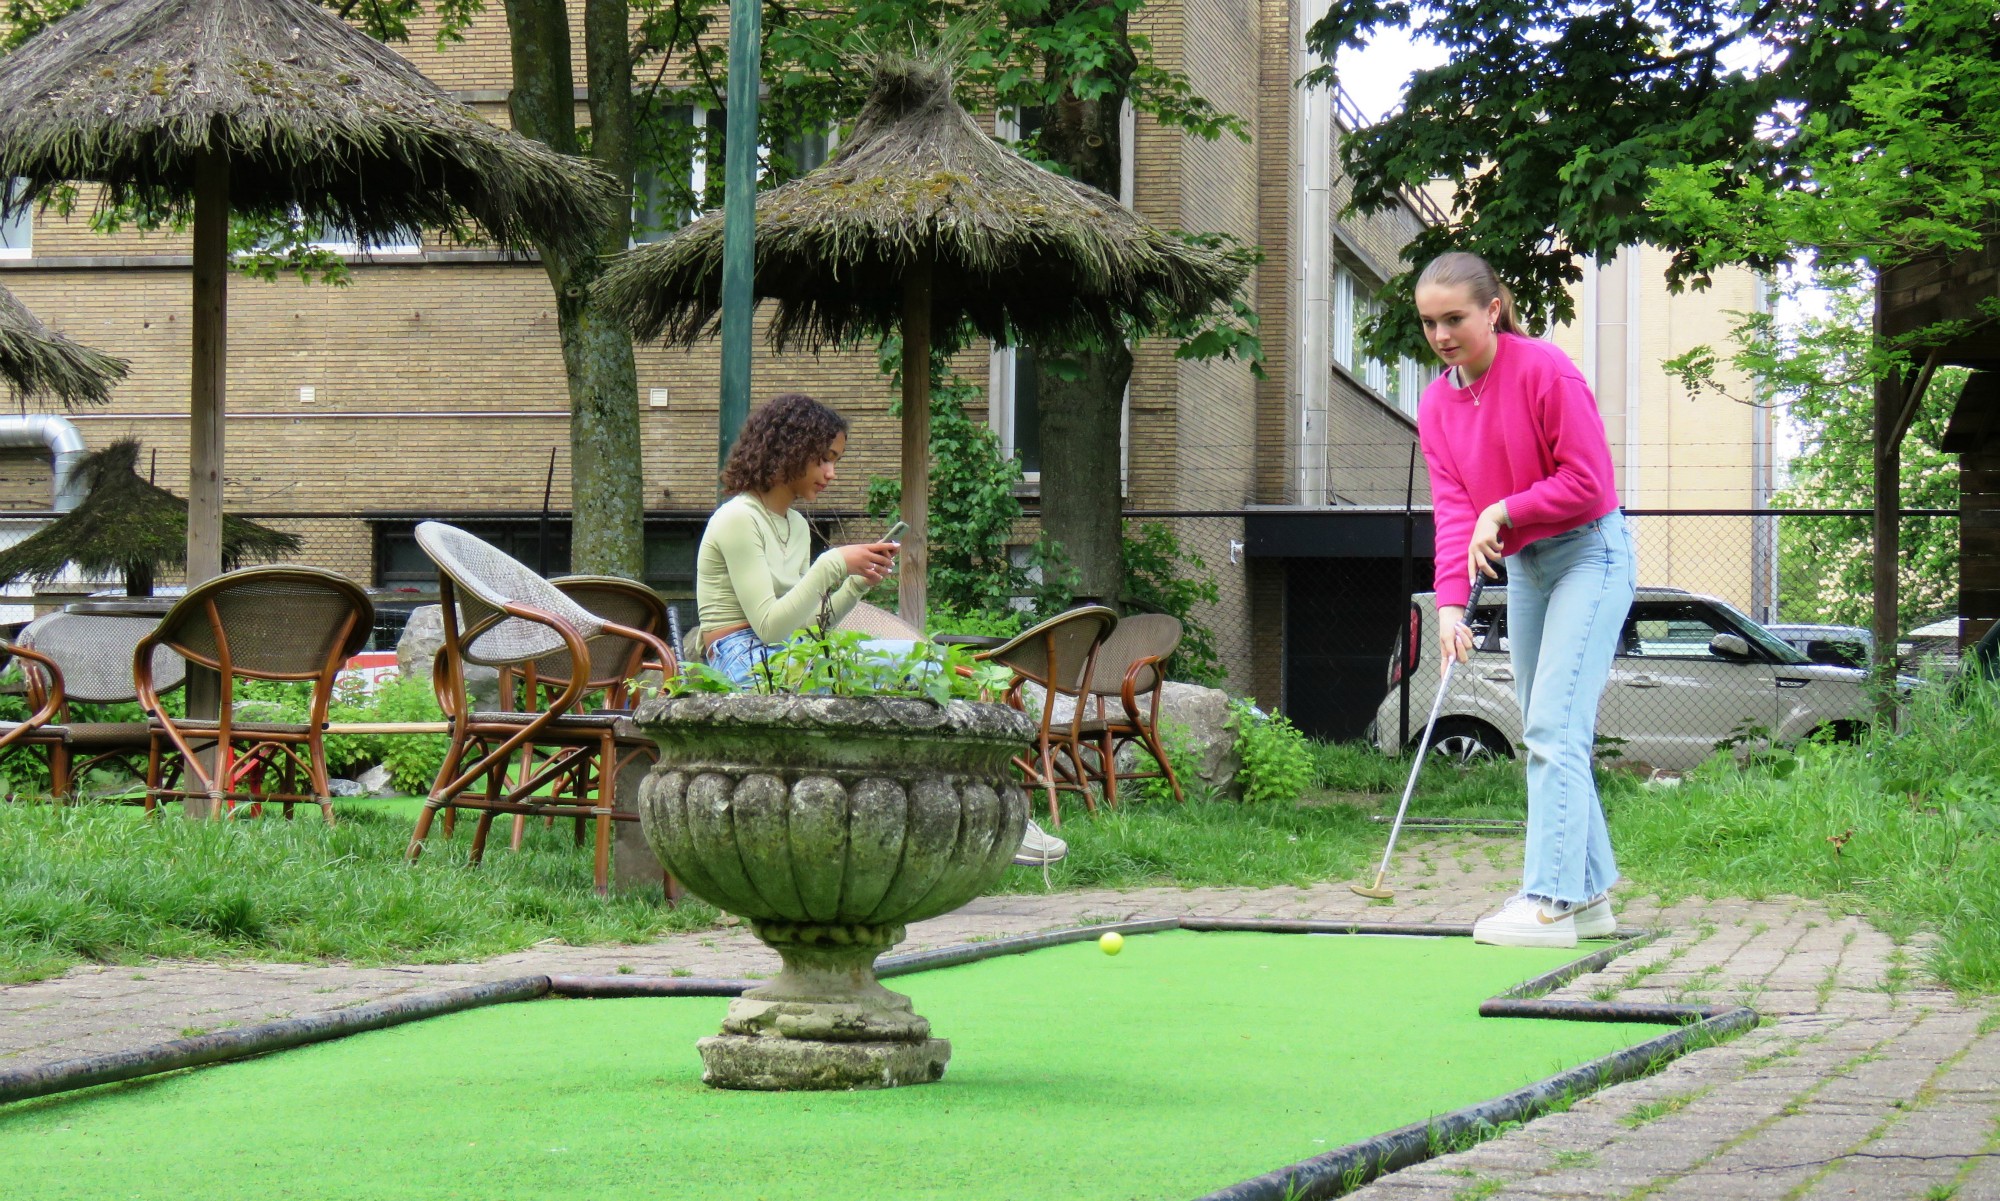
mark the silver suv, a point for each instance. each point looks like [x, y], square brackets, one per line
[1692, 673]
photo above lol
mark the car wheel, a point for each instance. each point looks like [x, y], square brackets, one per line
[1464, 741]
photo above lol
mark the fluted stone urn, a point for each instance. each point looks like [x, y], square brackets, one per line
[829, 824]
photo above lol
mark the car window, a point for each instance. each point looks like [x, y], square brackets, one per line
[1777, 648]
[1672, 630]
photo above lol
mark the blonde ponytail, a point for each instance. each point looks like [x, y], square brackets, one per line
[1459, 268]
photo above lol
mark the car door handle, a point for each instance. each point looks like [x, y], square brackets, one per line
[1500, 676]
[1641, 681]
[1784, 682]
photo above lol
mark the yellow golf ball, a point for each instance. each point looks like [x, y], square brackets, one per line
[1111, 943]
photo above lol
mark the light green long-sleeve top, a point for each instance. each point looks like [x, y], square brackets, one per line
[752, 567]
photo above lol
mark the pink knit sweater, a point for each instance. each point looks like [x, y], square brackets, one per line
[1534, 439]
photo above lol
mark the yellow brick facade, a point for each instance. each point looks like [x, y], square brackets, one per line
[433, 383]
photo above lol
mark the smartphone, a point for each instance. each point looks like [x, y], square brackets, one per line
[896, 531]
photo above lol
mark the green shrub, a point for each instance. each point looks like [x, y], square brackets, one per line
[1163, 577]
[1277, 760]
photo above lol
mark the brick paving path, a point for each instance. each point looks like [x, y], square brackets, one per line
[1863, 1082]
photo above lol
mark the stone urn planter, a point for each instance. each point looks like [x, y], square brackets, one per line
[829, 824]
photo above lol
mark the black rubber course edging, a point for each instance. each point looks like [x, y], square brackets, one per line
[1327, 1175]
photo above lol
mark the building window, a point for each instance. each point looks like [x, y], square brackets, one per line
[1014, 378]
[670, 551]
[670, 186]
[1400, 384]
[17, 230]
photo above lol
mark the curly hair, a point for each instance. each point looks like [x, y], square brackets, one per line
[786, 435]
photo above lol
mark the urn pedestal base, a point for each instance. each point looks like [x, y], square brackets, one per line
[824, 1022]
[773, 1063]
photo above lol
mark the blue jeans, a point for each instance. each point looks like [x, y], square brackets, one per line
[740, 655]
[1567, 598]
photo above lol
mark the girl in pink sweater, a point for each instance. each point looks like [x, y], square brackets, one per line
[1520, 469]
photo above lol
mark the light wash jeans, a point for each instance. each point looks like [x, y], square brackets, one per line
[1567, 598]
[740, 655]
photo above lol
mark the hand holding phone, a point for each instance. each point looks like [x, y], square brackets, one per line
[896, 532]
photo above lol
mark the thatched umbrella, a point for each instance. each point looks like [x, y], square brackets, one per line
[125, 524]
[39, 362]
[273, 107]
[922, 218]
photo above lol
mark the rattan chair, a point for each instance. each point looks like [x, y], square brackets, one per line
[879, 623]
[90, 662]
[498, 613]
[39, 732]
[615, 661]
[257, 623]
[1058, 655]
[1130, 668]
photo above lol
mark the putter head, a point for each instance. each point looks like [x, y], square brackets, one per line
[1380, 894]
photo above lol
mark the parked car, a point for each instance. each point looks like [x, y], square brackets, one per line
[1934, 646]
[1692, 672]
[1838, 646]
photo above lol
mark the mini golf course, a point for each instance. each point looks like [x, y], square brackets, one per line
[1187, 1063]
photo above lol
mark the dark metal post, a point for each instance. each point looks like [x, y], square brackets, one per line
[542, 528]
[739, 215]
[1409, 587]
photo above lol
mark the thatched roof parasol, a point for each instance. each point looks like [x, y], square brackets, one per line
[270, 106]
[1023, 253]
[127, 525]
[308, 112]
[38, 362]
[921, 218]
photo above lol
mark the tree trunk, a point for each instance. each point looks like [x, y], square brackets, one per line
[1082, 502]
[607, 472]
[1888, 532]
[1081, 418]
[913, 566]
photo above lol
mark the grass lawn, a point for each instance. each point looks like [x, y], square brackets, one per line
[1901, 827]
[102, 883]
[1187, 1063]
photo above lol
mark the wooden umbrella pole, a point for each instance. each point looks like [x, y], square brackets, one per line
[206, 404]
[210, 368]
[913, 566]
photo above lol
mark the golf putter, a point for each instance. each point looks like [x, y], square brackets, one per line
[1416, 769]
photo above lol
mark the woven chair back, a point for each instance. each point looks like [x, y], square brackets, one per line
[1056, 653]
[284, 623]
[879, 623]
[1141, 636]
[620, 602]
[94, 653]
[486, 579]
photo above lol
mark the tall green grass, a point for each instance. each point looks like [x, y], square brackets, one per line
[104, 884]
[1903, 827]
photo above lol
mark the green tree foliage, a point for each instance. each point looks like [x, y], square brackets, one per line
[1551, 121]
[1820, 370]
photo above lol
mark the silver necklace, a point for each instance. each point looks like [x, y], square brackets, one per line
[780, 524]
[1469, 385]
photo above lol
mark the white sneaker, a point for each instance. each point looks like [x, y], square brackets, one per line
[1039, 848]
[1526, 922]
[1594, 918]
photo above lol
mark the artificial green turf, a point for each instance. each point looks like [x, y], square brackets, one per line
[1188, 1062]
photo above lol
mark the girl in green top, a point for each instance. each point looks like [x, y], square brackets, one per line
[755, 583]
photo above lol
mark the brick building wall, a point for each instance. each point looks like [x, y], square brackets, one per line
[433, 383]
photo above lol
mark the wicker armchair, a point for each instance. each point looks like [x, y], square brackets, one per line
[89, 661]
[257, 623]
[614, 663]
[879, 623]
[1059, 656]
[1129, 670]
[498, 613]
[39, 732]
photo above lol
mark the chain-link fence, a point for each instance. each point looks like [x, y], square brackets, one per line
[1747, 624]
